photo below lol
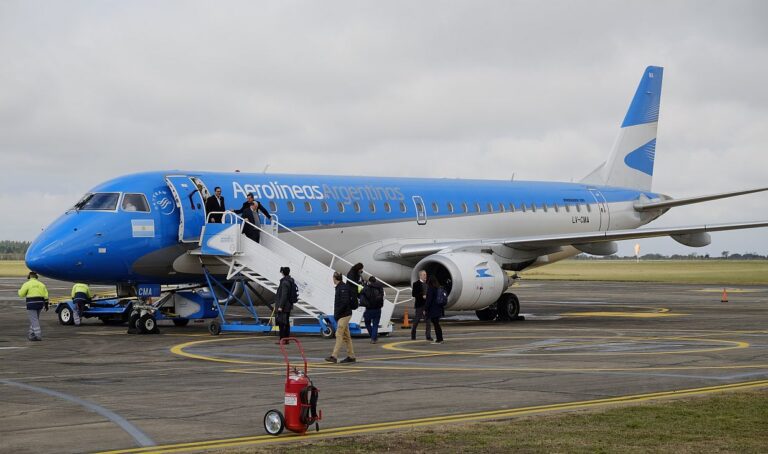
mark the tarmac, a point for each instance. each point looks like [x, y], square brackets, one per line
[95, 388]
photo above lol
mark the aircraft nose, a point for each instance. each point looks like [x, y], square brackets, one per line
[43, 256]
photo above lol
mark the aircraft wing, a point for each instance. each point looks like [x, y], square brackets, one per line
[646, 205]
[412, 251]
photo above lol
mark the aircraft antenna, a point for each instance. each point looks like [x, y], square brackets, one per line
[265, 168]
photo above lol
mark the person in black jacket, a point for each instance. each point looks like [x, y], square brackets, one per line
[284, 305]
[342, 312]
[249, 212]
[419, 293]
[355, 280]
[373, 300]
[215, 203]
[432, 310]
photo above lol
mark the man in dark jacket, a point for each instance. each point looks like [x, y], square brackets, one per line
[373, 300]
[432, 308]
[284, 304]
[249, 212]
[419, 293]
[215, 204]
[342, 312]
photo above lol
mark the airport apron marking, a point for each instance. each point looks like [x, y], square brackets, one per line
[420, 422]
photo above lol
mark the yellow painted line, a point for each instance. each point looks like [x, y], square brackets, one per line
[429, 421]
[730, 290]
[281, 373]
[621, 314]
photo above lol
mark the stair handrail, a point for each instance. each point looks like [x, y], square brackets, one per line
[334, 256]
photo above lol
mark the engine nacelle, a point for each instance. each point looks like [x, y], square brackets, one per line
[474, 281]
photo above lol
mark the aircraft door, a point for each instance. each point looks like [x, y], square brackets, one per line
[602, 206]
[421, 211]
[191, 207]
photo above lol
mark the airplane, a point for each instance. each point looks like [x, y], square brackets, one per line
[141, 228]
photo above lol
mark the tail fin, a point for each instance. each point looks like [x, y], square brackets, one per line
[630, 164]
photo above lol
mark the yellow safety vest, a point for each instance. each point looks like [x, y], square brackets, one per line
[81, 288]
[33, 289]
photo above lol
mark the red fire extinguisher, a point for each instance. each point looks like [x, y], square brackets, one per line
[300, 398]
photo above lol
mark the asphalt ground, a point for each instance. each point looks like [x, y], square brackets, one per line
[95, 388]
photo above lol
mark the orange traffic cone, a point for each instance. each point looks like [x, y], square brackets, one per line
[406, 322]
[724, 299]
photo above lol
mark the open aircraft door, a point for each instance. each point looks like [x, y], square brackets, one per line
[421, 211]
[191, 207]
[602, 207]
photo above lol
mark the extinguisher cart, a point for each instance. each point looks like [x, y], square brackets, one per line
[300, 398]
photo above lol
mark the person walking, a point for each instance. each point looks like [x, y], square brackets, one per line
[342, 312]
[249, 212]
[287, 295]
[215, 206]
[434, 306]
[419, 293]
[36, 295]
[373, 300]
[355, 282]
[81, 295]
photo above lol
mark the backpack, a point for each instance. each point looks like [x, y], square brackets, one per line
[293, 295]
[442, 297]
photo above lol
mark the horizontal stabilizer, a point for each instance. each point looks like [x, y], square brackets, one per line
[665, 204]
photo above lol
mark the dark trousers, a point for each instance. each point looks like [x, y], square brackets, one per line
[253, 234]
[284, 325]
[417, 317]
[438, 329]
[372, 318]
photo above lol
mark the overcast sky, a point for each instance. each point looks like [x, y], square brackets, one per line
[93, 90]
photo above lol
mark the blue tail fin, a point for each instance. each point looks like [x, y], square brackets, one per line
[630, 163]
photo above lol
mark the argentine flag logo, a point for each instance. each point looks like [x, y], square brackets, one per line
[143, 228]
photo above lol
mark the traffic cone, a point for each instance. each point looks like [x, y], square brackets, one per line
[724, 299]
[406, 322]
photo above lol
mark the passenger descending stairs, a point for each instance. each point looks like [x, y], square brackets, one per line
[260, 263]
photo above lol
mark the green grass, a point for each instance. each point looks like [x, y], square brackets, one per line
[13, 268]
[731, 422]
[741, 272]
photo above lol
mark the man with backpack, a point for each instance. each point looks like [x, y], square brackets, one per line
[287, 295]
[437, 299]
[372, 299]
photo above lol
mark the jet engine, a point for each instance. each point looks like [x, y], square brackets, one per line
[473, 281]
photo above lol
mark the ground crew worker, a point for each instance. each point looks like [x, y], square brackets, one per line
[37, 298]
[81, 295]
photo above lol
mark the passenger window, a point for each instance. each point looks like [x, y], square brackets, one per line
[372, 207]
[135, 202]
[291, 207]
[501, 207]
[522, 207]
[100, 201]
[567, 208]
[511, 207]
[464, 207]
[356, 206]
[340, 207]
[589, 208]
[557, 209]
[477, 207]
[387, 207]
[490, 207]
[434, 207]
[533, 207]
[324, 206]
[578, 208]
[544, 205]
[403, 207]
[272, 206]
[307, 207]
[450, 207]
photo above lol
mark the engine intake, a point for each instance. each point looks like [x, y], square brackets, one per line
[473, 281]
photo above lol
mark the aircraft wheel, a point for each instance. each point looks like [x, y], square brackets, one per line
[508, 307]
[487, 314]
[181, 321]
[274, 423]
[147, 324]
[66, 316]
[215, 329]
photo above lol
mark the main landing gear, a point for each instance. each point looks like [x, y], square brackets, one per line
[142, 319]
[505, 309]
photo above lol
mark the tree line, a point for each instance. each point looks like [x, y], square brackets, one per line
[725, 255]
[13, 250]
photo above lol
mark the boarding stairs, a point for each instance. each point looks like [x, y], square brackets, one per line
[260, 264]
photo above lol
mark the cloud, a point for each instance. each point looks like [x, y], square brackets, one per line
[93, 90]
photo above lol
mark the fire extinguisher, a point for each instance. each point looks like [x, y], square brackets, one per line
[300, 398]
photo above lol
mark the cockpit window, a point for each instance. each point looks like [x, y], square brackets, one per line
[135, 202]
[99, 201]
